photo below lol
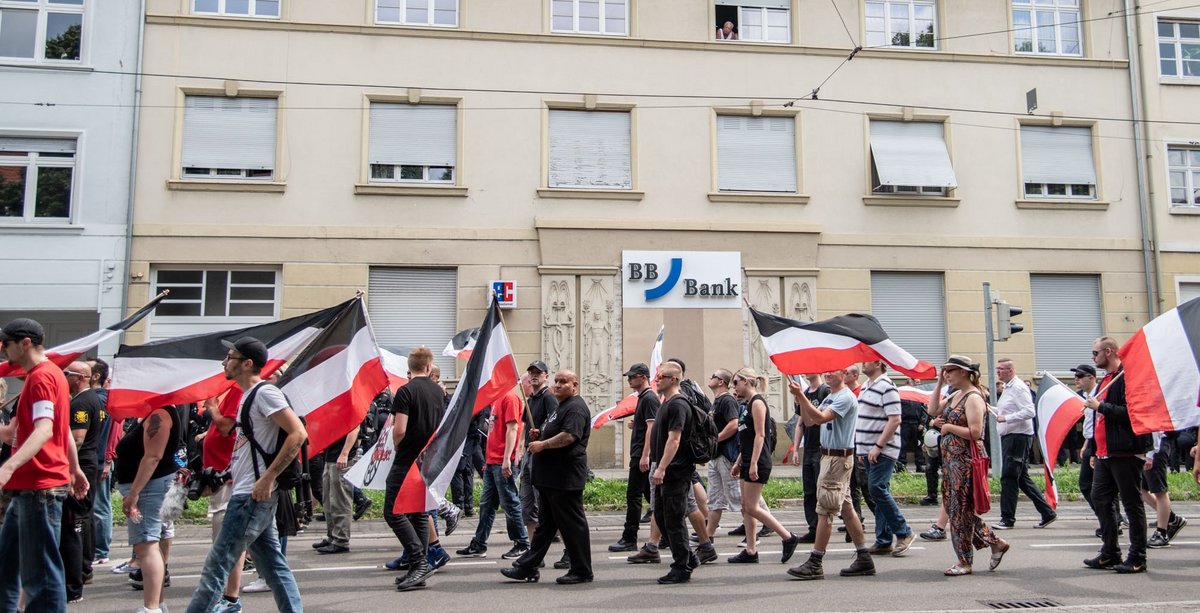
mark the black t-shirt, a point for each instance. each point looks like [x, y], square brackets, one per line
[421, 400]
[87, 413]
[812, 437]
[541, 404]
[132, 447]
[673, 415]
[725, 410]
[746, 434]
[564, 468]
[647, 409]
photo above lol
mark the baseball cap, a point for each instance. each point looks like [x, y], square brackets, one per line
[23, 327]
[638, 369]
[537, 365]
[1085, 369]
[250, 347]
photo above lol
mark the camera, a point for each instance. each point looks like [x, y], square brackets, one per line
[207, 479]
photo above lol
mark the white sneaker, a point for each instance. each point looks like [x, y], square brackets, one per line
[124, 568]
[258, 585]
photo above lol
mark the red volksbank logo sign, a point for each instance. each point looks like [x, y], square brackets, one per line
[681, 279]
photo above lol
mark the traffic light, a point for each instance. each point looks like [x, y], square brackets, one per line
[1004, 314]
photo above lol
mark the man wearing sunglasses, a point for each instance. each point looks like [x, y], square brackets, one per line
[638, 485]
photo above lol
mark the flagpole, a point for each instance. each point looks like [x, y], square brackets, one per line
[1105, 388]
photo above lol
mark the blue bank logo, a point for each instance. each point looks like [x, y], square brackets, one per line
[648, 271]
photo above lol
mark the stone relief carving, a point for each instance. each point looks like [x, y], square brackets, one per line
[597, 365]
[801, 305]
[764, 296]
[558, 322]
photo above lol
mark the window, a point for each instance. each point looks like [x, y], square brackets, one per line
[911, 306]
[757, 21]
[410, 143]
[756, 154]
[1046, 27]
[237, 8]
[207, 300]
[1183, 165]
[443, 13]
[590, 149]
[411, 307]
[229, 138]
[910, 157]
[41, 30]
[37, 177]
[1186, 290]
[1066, 319]
[590, 16]
[1057, 162]
[1179, 48]
[901, 23]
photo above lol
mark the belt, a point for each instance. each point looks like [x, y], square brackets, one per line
[841, 453]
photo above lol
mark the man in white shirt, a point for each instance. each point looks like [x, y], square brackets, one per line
[1014, 423]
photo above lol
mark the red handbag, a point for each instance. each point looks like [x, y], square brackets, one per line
[981, 467]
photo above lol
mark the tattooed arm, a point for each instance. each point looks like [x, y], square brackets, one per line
[296, 435]
[157, 430]
[562, 439]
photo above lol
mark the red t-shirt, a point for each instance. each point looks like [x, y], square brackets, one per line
[217, 450]
[1098, 432]
[504, 411]
[44, 396]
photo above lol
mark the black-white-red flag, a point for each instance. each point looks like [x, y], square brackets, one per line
[491, 372]
[1162, 371]
[799, 348]
[461, 344]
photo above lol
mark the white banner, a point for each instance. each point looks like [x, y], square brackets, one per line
[681, 279]
[371, 470]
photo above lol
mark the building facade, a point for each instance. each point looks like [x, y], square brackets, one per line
[66, 137]
[292, 152]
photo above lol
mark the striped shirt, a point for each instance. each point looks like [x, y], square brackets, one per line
[878, 400]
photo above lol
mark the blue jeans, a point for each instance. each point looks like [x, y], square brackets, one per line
[102, 518]
[889, 522]
[29, 555]
[496, 485]
[248, 525]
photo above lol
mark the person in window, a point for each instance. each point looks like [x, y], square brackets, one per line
[726, 32]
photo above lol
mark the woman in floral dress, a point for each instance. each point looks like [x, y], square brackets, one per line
[960, 417]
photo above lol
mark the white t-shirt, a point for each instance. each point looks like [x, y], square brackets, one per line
[268, 401]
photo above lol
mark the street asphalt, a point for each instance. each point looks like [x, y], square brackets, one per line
[1043, 565]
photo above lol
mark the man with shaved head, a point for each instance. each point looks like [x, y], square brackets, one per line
[559, 474]
[77, 540]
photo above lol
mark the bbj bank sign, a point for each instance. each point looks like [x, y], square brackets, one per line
[681, 279]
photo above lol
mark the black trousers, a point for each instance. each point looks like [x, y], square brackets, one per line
[74, 545]
[810, 471]
[412, 529]
[316, 466]
[1113, 479]
[560, 511]
[859, 490]
[1085, 480]
[1014, 476]
[670, 511]
[910, 440]
[636, 488]
[462, 484]
[932, 469]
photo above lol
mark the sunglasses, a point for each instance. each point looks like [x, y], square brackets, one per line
[71, 373]
[234, 358]
[1096, 353]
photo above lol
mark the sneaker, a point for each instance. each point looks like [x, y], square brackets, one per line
[929, 501]
[1130, 566]
[361, 508]
[437, 557]
[521, 574]
[808, 537]
[934, 533]
[1046, 521]
[1158, 540]
[224, 606]
[645, 556]
[743, 558]
[100, 562]
[124, 568]
[451, 515]
[675, 576]
[693, 561]
[1174, 527]
[764, 531]
[321, 543]
[1101, 562]
[564, 562]
[257, 586]
[902, 545]
[646, 518]
[623, 545]
[332, 548]
[738, 531]
[417, 574]
[573, 579]
[706, 553]
[472, 551]
[879, 550]
[1004, 525]
[809, 570]
[514, 553]
[248, 565]
[319, 517]
[400, 563]
[135, 580]
[789, 548]
[79, 598]
[863, 566]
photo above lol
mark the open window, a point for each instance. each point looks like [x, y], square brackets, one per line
[760, 21]
[910, 157]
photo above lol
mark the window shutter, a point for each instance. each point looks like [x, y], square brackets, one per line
[1188, 291]
[412, 134]
[771, 4]
[911, 306]
[590, 149]
[1057, 155]
[230, 133]
[410, 307]
[1066, 319]
[40, 145]
[756, 153]
[911, 154]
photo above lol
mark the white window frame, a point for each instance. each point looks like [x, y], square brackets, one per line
[889, 33]
[44, 8]
[764, 17]
[253, 5]
[1061, 9]
[632, 158]
[766, 122]
[426, 169]
[1191, 175]
[1060, 191]
[1176, 40]
[1180, 281]
[430, 11]
[909, 190]
[229, 285]
[32, 161]
[202, 173]
[603, 19]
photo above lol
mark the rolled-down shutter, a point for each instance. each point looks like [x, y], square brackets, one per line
[1188, 291]
[410, 307]
[1057, 155]
[771, 4]
[756, 153]
[590, 149]
[911, 306]
[229, 133]
[40, 145]
[1066, 319]
[412, 134]
[911, 154]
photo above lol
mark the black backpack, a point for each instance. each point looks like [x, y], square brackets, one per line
[695, 395]
[701, 440]
[293, 475]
